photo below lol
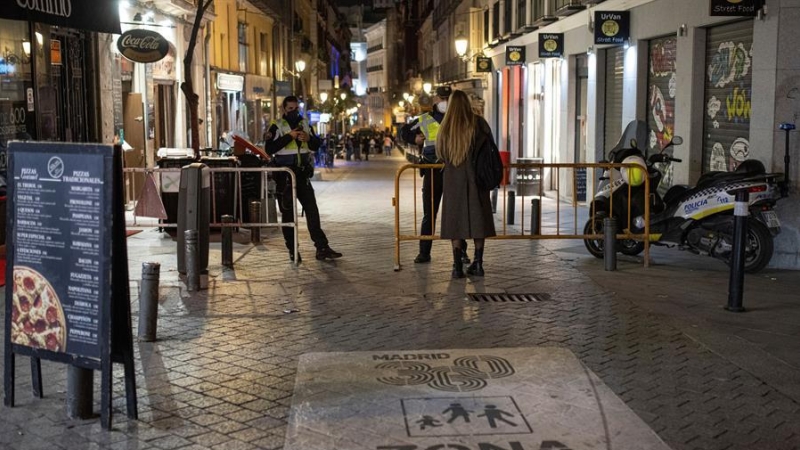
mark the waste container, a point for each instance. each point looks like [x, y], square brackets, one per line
[170, 185]
[223, 186]
[528, 179]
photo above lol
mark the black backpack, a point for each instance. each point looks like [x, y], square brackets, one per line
[488, 166]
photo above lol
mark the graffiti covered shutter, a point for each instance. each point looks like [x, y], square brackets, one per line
[615, 58]
[728, 89]
[661, 91]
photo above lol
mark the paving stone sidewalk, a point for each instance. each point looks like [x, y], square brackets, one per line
[221, 374]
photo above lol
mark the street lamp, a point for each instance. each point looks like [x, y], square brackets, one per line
[323, 96]
[462, 45]
[300, 65]
[343, 96]
[426, 87]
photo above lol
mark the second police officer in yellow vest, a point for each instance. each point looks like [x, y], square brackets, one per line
[292, 143]
[423, 132]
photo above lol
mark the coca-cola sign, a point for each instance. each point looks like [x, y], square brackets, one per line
[144, 46]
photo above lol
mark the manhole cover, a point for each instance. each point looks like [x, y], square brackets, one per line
[508, 298]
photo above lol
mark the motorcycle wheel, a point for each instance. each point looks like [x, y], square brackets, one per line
[595, 246]
[759, 247]
[630, 247]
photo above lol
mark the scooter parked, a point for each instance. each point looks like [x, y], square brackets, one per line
[699, 219]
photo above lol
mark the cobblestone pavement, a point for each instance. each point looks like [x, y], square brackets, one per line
[221, 374]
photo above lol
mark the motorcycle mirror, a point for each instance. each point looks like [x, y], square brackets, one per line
[677, 140]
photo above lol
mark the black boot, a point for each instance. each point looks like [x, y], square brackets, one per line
[476, 268]
[464, 257]
[458, 266]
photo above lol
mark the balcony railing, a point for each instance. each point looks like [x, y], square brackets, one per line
[568, 7]
[375, 48]
[454, 69]
[375, 68]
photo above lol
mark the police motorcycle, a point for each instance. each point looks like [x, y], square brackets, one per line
[698, 219]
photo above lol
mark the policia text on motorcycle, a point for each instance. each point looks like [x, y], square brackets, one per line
[423, 132]
[292, 143]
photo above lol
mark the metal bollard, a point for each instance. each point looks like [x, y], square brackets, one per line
[536, 211]
[80, 392]
[148, 302]
[610, 243]
[192, 260]
[272, 210]
[512, 203]
[227, 241]
[494, 200]
[255, 216]
[736, 283]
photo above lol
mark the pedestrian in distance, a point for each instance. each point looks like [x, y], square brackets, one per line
[466, 209]
[291, 142]
[423, 132]
[387, 145]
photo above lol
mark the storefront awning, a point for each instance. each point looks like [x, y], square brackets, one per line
[89, 15]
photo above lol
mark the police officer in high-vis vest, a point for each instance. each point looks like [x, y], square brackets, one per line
[423, 132]
[292, 143]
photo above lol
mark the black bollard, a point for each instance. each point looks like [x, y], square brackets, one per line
[148, 302]
[227, 241]
[610, 243]
[736, 283]
[536, 211]
[80, 392]
[255, 217]
[512, 203]
[494, 200]
[192, 261]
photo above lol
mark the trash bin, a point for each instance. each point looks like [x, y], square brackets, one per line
[194, 206]
[223, 186]
[528, 179]
[170, 185]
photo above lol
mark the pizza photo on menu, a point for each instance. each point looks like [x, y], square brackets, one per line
[37, 318]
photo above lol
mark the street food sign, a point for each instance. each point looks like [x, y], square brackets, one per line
[477, 399]
[748, 8]
[483, 64]
[551, 45]
[612, 27]
[67, 260]
[515, 55]
[143, 46]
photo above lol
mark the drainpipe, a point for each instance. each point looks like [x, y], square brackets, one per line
[206, 45]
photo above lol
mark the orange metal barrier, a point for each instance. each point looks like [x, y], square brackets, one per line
[554, 173]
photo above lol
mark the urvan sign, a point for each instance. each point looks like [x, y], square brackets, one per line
[748, 8]
[91, 15]
[612, 27]
[143, 46]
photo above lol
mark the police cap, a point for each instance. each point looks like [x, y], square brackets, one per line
[443, 91]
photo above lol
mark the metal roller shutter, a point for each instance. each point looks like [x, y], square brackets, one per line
[661, 90]
[728, 90]
[615, 58]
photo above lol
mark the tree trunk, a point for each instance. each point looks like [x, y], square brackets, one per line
[188, 85]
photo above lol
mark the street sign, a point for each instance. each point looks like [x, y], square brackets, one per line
[551, 45]
[612, 27]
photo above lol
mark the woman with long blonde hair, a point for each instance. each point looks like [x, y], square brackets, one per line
[466, 209]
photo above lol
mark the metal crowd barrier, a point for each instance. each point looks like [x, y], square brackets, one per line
[555, 174]
[167, 181]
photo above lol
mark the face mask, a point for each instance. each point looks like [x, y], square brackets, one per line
[442, 106]
[293, 116]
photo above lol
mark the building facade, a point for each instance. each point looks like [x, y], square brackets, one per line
[722, 83]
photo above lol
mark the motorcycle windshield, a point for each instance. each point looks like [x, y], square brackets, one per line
[637, 130]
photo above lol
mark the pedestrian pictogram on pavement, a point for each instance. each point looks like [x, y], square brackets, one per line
[463, 416]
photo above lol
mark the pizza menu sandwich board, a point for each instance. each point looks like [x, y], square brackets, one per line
[66, 249]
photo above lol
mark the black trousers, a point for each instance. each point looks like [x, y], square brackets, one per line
[431, 199]
[306, 197]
